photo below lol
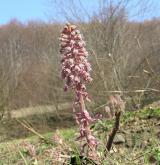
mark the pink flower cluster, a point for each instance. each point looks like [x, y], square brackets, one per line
[76, 73]
[75, 67]
[84, 119]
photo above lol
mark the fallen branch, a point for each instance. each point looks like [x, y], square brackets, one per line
[133, 91]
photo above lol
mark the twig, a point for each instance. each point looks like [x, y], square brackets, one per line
[101, 106]
[134, 91]
[114, 131]
[23, 157]
[143, 154]
[35, 132]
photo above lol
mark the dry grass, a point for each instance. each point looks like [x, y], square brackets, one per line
[40, 110]
[140, 127]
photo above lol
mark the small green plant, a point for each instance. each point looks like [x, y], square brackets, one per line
[156, 155]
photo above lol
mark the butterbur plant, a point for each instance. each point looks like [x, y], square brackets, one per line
[76, 73]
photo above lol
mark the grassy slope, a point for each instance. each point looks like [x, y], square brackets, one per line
[141, 131]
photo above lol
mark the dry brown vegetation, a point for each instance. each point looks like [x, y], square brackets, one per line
[124, 56]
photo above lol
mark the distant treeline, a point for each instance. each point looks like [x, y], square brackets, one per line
[125, 56]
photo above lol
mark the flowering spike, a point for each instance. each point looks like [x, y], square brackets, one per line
[75, 67]
[76, 73]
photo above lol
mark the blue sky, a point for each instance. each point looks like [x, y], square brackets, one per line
[24, 10]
